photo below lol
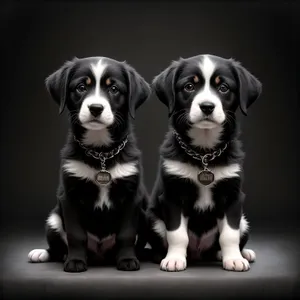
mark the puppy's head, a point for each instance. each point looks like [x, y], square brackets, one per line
[201, 91]
[99, 92]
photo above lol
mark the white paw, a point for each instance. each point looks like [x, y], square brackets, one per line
[249, 254]
[38, 255]
[236, 264]
[173, 263]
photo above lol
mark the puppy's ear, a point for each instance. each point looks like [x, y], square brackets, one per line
[57, 83]
[249, 87]
[139, 90]
[163, 85]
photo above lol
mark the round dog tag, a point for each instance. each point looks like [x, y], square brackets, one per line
[103, 177]
[206, 177]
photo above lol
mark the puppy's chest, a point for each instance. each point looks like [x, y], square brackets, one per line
[204, 197]
[97, 186]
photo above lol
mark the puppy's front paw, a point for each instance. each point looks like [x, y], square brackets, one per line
[236, 264]
[38, 256]
[75, 266]
[249, 255]
[128, 264]
[175, 262]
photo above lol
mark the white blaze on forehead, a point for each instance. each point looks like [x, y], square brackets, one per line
[207, 68]
[98, 70]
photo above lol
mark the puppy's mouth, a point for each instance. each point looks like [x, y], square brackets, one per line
[94, 121]
[206, 123]
[94, 124]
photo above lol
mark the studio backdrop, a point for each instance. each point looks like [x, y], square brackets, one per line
[40, 37]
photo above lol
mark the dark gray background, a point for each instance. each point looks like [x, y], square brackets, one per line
[38, 38]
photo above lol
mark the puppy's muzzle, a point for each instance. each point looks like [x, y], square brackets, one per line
[207, 107]
[96, 110]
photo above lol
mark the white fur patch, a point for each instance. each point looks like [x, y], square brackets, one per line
[106, 117]
[97, 138]
[103, 199]
[230, 249]
[206, 94]
[205, 201]
[244, 225]
[84, 171]
[187, 171]
[205, 138]
[160, 228]
[178, 240]
[55, 223]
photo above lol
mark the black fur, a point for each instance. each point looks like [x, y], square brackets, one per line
[172, 195]
[76, 196]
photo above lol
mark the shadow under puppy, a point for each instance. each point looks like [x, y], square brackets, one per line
[196, 207]
[101, 195]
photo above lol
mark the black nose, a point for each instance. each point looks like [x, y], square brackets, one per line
[96, 109]
[207, 107]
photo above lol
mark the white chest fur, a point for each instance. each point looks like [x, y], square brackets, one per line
[84, 171]
[187, 171]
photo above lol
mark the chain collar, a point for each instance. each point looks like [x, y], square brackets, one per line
[102, 156]
[203, 158]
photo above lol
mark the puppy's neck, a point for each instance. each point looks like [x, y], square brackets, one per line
[104, 139]
[97, 138]
[205, 138]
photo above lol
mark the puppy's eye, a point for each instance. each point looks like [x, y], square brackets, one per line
[81, 88]
[223, 88]
[189, 87]
[114, 90]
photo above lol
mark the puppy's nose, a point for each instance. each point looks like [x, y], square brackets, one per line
[207, 107]
[96, 109]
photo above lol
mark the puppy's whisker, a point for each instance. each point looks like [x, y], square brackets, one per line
[74, 119]
[119, 120]
[183, 118]
[229, 119]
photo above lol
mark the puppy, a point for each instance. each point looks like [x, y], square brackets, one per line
[101, 193]
[196, 208]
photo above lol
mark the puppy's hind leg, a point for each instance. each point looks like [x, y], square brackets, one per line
[56, 241]
[157, 239]
[244, 230]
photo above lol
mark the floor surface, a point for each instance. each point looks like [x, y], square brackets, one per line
[275, 274]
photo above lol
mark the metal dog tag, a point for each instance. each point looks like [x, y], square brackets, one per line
[103, 177]
[206, 177]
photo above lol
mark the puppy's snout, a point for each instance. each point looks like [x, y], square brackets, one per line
[96, 109]
[207, 107]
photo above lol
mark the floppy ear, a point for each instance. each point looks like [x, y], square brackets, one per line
[163, 85]
[57, 84]
[139, 90]
[249, 87]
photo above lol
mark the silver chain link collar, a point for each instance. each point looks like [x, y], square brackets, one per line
[203, 158]
[102, 156]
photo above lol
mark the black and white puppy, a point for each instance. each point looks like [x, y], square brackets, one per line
[196, 207]
[101, 193]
